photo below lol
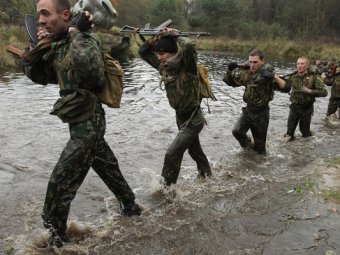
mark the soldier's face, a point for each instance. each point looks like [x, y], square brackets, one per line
[164, 56]
[302, 65]
[255, 63]
[50, 19]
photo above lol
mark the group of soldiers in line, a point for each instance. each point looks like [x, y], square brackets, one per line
[75, 62]
[304, 85]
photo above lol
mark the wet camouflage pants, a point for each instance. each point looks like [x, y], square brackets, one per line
[301, 115]
[86, 148]
[187, 138]
[257, 122]
[333, 105]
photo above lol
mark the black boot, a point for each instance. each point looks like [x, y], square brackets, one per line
[131, 209]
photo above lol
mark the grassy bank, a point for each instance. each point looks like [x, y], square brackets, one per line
[11, 35]
[279, 48]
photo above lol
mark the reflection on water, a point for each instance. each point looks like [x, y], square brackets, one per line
[193, 217]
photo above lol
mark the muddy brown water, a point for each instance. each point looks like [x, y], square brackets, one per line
[252, 204]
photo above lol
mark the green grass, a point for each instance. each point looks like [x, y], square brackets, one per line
[307, 185]
[334, 163]
[279, 48]
[331, 194]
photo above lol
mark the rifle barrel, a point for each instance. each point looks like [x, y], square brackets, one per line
[152, 32]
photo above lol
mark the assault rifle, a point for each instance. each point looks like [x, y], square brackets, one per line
[31, 28]
[286, 76]
[149, 31]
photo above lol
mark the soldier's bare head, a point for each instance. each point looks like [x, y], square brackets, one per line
[302, 65]
[54, 15]
[61, 5]
[256, 60]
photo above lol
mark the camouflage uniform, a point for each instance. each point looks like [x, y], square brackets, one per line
[182, 89]
[334, 100]
[301, 108]
[255, 116]
[75, 62]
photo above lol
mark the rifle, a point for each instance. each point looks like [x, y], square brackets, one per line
[286, 76]
[148, 31]
[35, 51]
[31, 28]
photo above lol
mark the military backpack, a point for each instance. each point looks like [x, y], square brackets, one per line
[112, 91]
[204, 83]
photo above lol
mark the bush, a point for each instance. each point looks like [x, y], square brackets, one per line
[260, 30]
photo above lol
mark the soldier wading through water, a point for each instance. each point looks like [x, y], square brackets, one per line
[75, 62]
[176, 59]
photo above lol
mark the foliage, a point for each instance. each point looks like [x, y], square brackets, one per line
[161, 10]
[13, 11]
[259, 29]
[247, 19]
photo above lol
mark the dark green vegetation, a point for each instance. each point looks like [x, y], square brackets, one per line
[282, 28]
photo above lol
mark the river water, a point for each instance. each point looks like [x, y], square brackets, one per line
[251, 205]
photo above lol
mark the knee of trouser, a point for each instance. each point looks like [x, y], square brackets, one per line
[235, 132]
[170, 153]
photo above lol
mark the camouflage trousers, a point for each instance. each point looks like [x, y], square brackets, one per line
[257, 120]
[86, 148]
[301, 115]
[186, 139]
[333, 105]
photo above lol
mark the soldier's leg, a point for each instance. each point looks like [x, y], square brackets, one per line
[293, 120]
[174, 154]
[66, 178]
[332, 107]
[259, 129]
[240, 130]
[305, 121]
[195, 149]
[197, 154]
[106, 166]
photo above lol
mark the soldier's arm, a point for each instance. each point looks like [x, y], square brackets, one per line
[235, 78]
[189, 54]
[41, 70]
[319, 88]
[86, 61]
[146, 52]
[282, 85]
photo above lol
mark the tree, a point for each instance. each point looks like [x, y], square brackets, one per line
[161, 10]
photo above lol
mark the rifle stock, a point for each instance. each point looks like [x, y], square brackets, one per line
[15, 51]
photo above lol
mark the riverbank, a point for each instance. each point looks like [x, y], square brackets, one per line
[278, 48]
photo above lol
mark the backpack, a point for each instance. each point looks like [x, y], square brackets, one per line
[112, 91]
[204, 83]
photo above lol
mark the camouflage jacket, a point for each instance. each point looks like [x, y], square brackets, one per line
[334, 81]
[74, 62]
[258, 90]
[309, 80]
[179, 75]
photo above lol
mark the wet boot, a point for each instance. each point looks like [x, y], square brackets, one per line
[131, 209]
[204, 173]
[245, 142]
[57, 239]
[289, 138]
